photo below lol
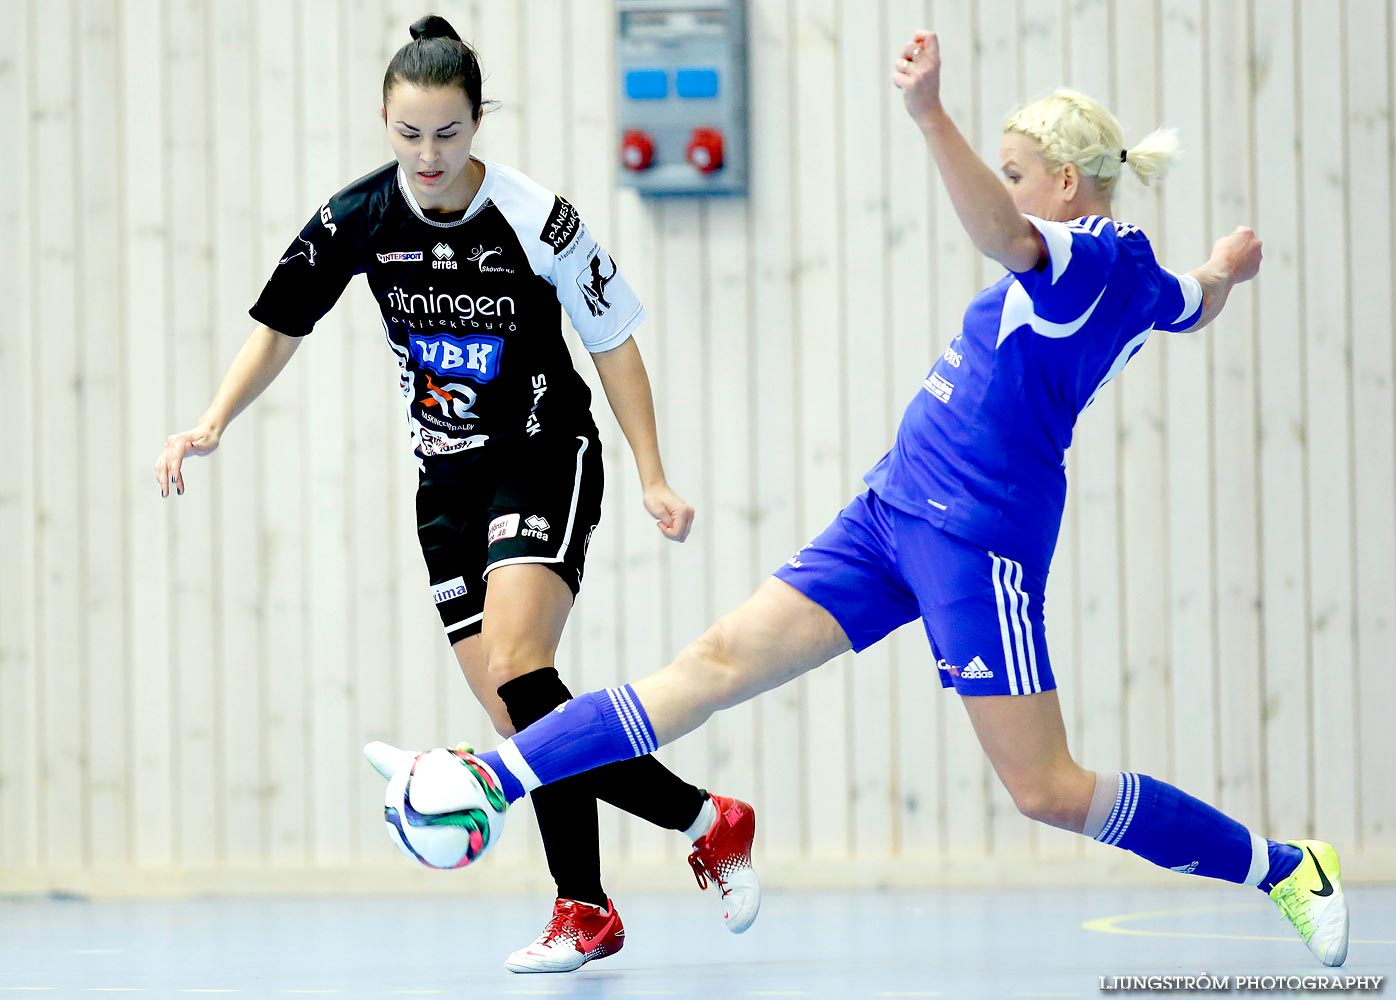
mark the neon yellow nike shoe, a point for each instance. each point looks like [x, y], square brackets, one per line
[1312, 899]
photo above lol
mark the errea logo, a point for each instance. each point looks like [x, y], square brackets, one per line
[537, 527]
[444, 257]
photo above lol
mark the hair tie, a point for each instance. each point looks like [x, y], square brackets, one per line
[1123, 153]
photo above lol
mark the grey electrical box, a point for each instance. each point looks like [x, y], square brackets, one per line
[682, 96]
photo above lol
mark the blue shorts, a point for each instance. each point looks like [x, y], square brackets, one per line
[876, 568]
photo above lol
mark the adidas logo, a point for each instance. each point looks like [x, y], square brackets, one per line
[1185, 869]
[976, 670]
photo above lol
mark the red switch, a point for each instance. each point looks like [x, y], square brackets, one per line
[705, 149]
[636, 150]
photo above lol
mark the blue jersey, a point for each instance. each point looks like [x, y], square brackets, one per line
[981, 449]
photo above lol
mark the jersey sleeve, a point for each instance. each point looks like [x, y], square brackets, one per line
[314, 270]
[599, 301]
[1179, 302]
[1080, 255]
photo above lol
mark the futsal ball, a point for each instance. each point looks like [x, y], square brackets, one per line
[445, 810]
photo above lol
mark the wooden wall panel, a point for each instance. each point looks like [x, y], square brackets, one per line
[61, 589]
[107, 636]
[1328, 394]
[1370, 100]
[1283, 456]
[1185, 242]
[145, 248]
[1222, 609]
[20, 662]
[231, 481]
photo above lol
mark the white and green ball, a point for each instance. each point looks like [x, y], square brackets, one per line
[445, 809]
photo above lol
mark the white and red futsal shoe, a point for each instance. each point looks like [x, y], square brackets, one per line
[577, 933]
[722, 856]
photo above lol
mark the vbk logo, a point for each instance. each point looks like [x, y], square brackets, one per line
[444, 257]
[475, 358]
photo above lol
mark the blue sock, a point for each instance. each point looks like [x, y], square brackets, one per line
[1174, 830]
[1284, 858]
[600, 727]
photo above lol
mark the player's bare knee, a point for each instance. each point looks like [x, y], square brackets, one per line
[506, 660]
[1050, 801]
[712, 668]
[503, 725]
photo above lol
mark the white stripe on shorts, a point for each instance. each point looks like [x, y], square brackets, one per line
[1008, 661]
[566, 535]
[1019, 649]
[1035, 682]
[464, 622]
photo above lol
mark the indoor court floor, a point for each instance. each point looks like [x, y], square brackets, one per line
[959, 943]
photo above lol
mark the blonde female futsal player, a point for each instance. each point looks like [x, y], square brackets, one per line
[471, 263]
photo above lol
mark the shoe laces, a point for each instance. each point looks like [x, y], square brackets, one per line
[563, 911]
[706, 875]
[1293, 905]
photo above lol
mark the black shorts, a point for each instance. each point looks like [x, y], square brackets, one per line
[538, 503]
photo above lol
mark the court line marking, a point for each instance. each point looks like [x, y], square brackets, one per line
[1111, 925]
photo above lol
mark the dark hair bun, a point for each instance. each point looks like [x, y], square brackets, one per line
[433, 26]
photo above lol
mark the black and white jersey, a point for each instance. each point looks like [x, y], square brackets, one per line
[470, 304]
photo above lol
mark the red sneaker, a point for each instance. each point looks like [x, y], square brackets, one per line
[576, 934]
[723, 856]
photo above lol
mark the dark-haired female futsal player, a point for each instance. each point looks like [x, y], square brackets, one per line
[470, 261]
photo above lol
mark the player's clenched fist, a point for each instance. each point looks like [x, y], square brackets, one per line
[917, 74]
[1240, 251]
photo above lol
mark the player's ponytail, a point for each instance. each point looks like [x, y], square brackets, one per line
[1152, 155]
[436, 57]
[1070, 127]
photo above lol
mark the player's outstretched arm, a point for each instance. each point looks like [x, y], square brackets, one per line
[983, 204]
[627, 386]
[1235, 258]
[257, 364]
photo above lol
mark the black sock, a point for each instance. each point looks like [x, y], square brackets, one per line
[566, 810]
[642, 787]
